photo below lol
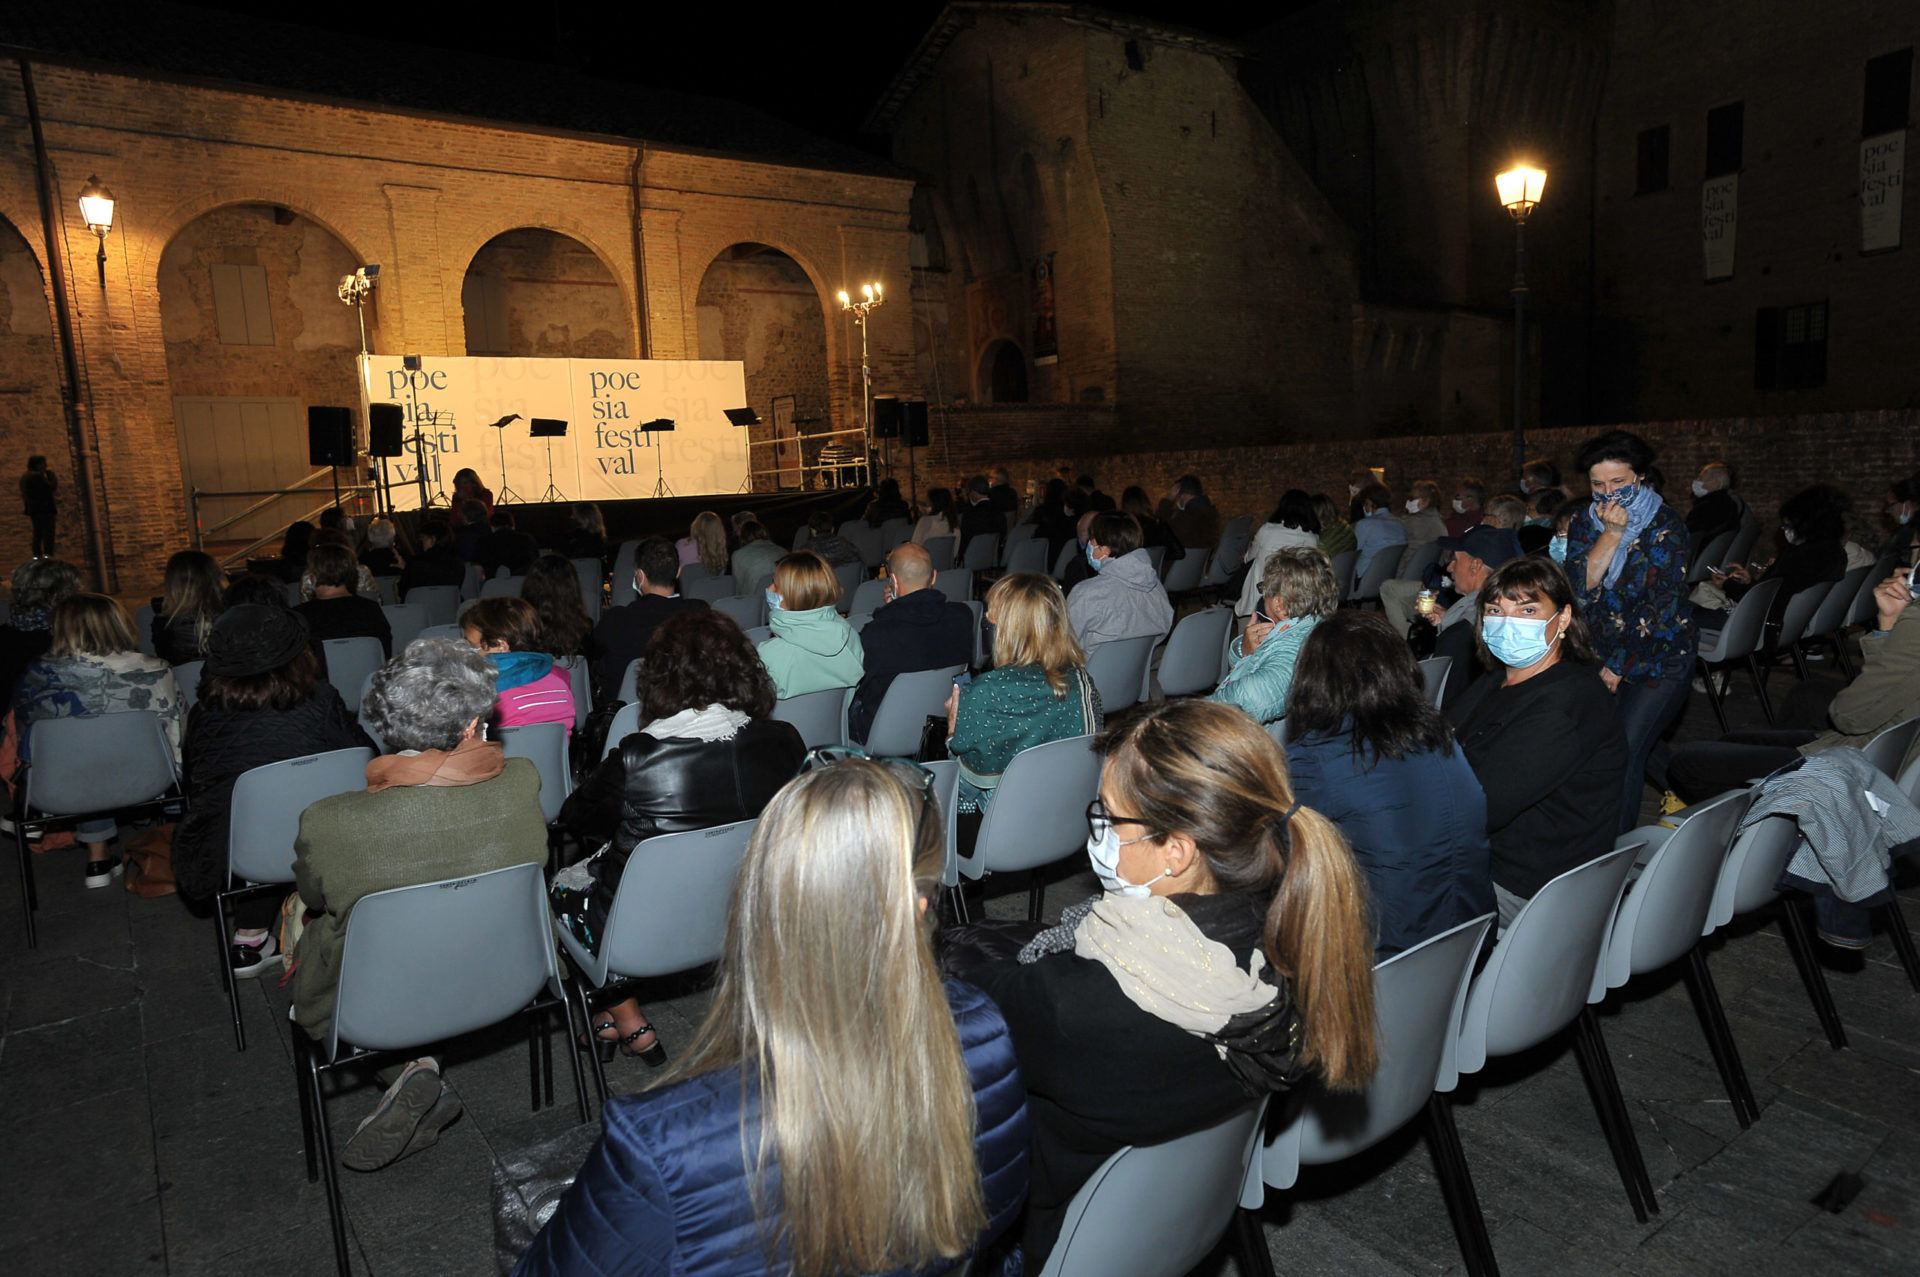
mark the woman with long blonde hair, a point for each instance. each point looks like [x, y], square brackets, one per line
[705, 544]
[1230, 956]
[840, 1110]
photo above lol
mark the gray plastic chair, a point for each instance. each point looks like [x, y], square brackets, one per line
[1191, 662]
[1068, 553]
[1155, 1210]
[1434, 672]
[981, 553]
[1018, 535]
[1743, 540]
[747, 611]
[592, 578]
[761, 633]
[1119, 669]
[620, 582]
[1343, 569]
[502, 587]
[802, 535]
[1910, 781]
[903, 712]
[1796, 623]
[1865, 610]
[143, 628]
[263, 821]
[1829, 622]
[1229, 556]
[1157, 555]
[629, 689]
[1038, 815]
[1415, 562]
[956, 584]
[894, 532]
[470, 588]
[290, 591]
[100, 765]
[1662, 918]
[450, 633]
[1380, 569]
[1739, 640]
[406, 620]
[815, 715]
[709, 588]
[1889, 749]
[1749, 880]
[868, 597]
[849, 575]
[388, 589]
[349, 661]
[186, 677]
[1418, 997]
[1708, 555]
[580, 677]
[981, 656]
[442, 602]
[426, 963]
[625, 723]
[1028, 556]
[865, 539]
[1184, 573]
[1542, 978]
[940, 550]
[545, 745]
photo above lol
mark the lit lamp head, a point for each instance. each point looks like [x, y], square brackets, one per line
[357, 287]
[96, 210]
[1520, 190]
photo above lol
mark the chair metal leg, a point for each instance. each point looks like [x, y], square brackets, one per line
[1713, 695]
[533, 1056]
[1456, 1186]
[1760, 687]
[1250, 1244]
[29, 898]
[1902, 938]
[1036, 897]
[1726, 1052]
[323, 1141]
[1799, 662]
[573, 1058]
[1800, 944]
[306, 1106]
[220, 933]
[586, 1031]
[1611, 1108]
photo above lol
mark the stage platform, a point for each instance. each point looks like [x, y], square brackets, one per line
[670, 517]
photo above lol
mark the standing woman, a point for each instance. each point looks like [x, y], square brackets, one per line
[1627, 560]
[39, 493]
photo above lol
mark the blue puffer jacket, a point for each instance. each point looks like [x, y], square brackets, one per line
[665, 1192]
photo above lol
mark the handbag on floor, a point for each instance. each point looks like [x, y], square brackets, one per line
[150, 863]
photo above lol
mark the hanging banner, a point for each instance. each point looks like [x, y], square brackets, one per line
[1046, 338]
[451, 405]
[1719, 210]
[1882, 173]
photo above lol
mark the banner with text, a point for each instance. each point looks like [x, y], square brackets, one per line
[1719, 212]
[606, 456]
[1882, 172]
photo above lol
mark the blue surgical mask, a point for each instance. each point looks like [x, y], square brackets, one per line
[1517, 642]
[1557, 548]
[773, 601]
[1092, 562]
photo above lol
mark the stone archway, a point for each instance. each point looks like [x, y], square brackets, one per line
[1002, 375]
[32, 420]
[758, 305]
[536, 292]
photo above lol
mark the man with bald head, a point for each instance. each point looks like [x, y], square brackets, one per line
[918, 629]
[1716, 507]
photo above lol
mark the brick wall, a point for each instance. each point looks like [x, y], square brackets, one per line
[30, 417]
[561, 300]
[763, 311]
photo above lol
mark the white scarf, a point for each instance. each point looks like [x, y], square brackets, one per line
[710, 723]
[1167, 966]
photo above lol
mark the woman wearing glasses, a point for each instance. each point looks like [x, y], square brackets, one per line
[769, 1147]
[1159, 1007]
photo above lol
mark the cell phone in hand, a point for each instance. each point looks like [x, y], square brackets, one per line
[965, 679]
[1913, 582]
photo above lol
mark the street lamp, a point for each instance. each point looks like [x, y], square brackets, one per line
[1520, 189]
[870, 297]
[96, 210]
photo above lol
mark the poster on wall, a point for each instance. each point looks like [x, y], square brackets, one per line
[1719, 211]
[477, 413]
[786, 443]
[1882, 173]
[1046, 338]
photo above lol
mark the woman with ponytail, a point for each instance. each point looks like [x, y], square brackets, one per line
[1230, 956]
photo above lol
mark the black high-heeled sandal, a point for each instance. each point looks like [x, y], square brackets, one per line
[602, 1047]
[654, 1056]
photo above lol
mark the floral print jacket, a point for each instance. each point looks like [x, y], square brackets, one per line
[80, 686]
[1642, 625]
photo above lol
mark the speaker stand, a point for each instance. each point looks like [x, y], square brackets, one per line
[335, 472]
[552, 493]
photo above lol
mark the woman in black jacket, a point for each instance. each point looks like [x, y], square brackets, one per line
[706, 754]
[261, 701]
[1541, 732]
[1813, 532]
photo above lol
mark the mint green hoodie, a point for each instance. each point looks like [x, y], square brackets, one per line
[811, 651]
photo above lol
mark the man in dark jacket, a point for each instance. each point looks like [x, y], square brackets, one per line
[1091, 498]
[1716, 509]
[623, 632]
[437, 563]
[1001, 493]
[1186, 510]
[504, 546]
[919, 630]
[980, 519]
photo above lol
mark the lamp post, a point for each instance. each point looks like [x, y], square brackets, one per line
[870, 297]
[354, 291]
[1520, 189]
[96, 210]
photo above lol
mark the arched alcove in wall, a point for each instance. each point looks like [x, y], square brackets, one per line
[536, 292]
[1003, 373]
[31, 419]
[757, 305]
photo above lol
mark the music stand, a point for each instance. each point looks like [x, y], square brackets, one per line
[659, 425]
[549, 428]
[744, 417]
[506, 495]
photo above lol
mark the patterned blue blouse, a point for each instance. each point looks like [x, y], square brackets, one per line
[1643, 625]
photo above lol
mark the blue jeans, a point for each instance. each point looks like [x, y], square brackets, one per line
[1646, 711]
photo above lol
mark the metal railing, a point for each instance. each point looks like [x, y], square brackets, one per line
[267, 498]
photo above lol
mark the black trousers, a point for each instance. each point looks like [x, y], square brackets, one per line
[1702, 768]
[42, 531]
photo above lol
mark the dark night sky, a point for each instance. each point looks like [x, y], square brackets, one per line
[817, 66]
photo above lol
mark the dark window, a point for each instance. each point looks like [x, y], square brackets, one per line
[1651, 169]
[1136, 57]
[1724, 127]
[1889, 83]
[1790, 347]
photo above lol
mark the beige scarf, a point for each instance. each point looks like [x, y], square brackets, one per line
[468, 763]
[1167, 967]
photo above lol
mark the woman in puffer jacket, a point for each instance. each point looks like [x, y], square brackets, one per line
[746, 1157]
[532, 689]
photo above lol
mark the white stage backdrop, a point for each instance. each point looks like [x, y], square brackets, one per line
[605, 456]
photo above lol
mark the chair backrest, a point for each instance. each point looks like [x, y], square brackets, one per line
[1240, 525]
[406, 620]
[904, 710]
[1155, 1210]
[849, 575]
[670, 911]
[580, 676]
[1745, 625]
[1039, 810]
[425, 963]
[1157, 555]
[1418, 998]
[689, 572]
[1434, 671]
[98, 763]
[1191, 662]
[442, 602]
[1343, 568]
[502, 587]
[893, 532]
[746, 610]
[981, 656]
[1066, 557]
[1750, 875]
[1665, 909]
[450, 632]
[1227, 559]
[186, 676]
[592, 578]
[1027, 556]
[940, 550]
[1545, 968]
[708, 587]
[1889, 749]
[1797, 618]
[349, 661]
[625, 723]
[1184, 572]
[1831, 615]
[1380, 569]
[1708, 554]
[802, 535]
[1118, 669]
[864, 538]
[955, 583]
[290, 591]
[868, 597]
[1910, 781]
[388, 588]
[981, 553]
[545, 745]
[1743, 540]
[622, 591]
[761, 633]
[470, 587]
[629, 689]
[1416, 561]
[1864, 608]
[816, 716]
[264, 817]
[946, 788]
[1018, 534]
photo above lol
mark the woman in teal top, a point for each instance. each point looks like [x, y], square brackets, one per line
[812, 648]
[1038, 690]
[1297, 589]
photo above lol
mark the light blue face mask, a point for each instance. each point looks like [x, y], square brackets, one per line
[1557, 548]
[1517, 642]
[773, 601]
[1092, 562]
